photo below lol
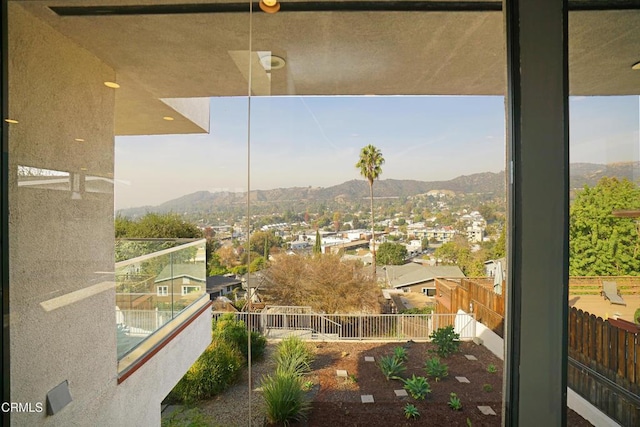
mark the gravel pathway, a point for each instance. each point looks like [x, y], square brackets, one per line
[230, 409]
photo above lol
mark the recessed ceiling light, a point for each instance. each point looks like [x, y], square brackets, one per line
[79, 140]
[636, 66]
[12, 121]
[168, 118]
[112, 85]
[269, 6]
[276, 62]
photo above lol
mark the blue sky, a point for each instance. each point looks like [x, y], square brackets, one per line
[315, 141]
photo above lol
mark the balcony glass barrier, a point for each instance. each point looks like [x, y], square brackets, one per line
[156, 280]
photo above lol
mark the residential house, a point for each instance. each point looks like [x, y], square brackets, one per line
[414, 277]
[218, 286]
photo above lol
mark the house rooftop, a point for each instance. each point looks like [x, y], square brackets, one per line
[414, 273]
[216, 283]
[172, 271]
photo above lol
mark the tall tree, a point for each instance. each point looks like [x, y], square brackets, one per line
[326, 283]
[370, 166]
[599, 243]
[392, 253]
[261, 242]
[317, 247]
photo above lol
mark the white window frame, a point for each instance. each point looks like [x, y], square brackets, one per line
[162, 290]
[185, 293]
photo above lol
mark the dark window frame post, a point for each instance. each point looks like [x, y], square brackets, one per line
[538, 209]
[4, 210]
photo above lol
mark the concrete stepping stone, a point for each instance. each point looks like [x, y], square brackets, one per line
[342, 373]
[401, 393]
[470, 357]
[463, 380]
[487, 410]
[367, 398]
[369, 359]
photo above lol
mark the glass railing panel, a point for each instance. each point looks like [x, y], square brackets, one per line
[153, 287]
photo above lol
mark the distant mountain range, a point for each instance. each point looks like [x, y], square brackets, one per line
[581, 174]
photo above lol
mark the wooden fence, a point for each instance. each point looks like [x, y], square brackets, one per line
[605, 369]
[472, 296]
[604, 355]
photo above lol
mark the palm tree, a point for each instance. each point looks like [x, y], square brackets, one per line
[370, 165]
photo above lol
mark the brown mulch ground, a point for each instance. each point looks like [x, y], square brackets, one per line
[336, 401]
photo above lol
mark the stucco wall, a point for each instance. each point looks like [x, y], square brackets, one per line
[61, 243]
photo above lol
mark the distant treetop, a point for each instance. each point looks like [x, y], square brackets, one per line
[154, 225]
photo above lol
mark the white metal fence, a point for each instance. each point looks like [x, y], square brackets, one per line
[391, 327]
[142, 321]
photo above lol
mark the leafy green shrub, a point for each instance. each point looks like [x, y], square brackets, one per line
[294, 355]
[410, 411]
[492, 368]
[216, 369]
[418, 387]
[436, 369]
[391, 367]
[400, 353]
[447, 341]
[228, 328]
[636, 316]
[284, 398]
[454, 402]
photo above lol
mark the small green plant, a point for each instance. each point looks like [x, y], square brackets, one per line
[410, 411]
[308, 385]
[352, 379]
[294, 355]
[418, 387]
[400, 353]
[446, 340]
[487, 388]
[436, 369]
[294, 363]
[391, 367]
[636, 316]
[284, 398]
[469, 422]
[492, 368]
[454, 402]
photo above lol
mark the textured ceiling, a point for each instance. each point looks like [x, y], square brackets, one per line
[332, 53]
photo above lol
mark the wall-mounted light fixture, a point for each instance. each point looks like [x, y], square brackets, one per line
[270, 6]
